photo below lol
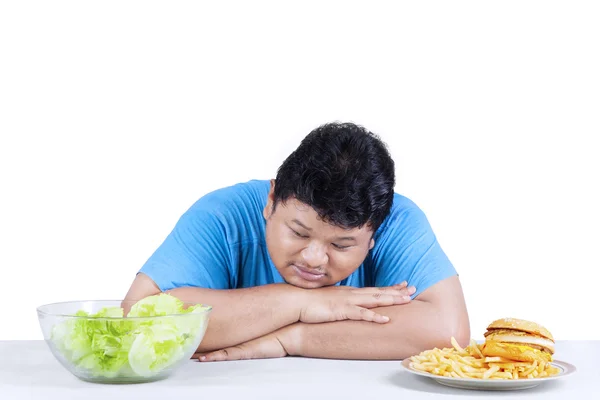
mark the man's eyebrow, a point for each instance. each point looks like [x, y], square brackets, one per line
[302, 225]
[346, 238]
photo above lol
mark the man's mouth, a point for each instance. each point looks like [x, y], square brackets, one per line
[308, 274]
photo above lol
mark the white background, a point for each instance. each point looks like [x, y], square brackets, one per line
[116, 116]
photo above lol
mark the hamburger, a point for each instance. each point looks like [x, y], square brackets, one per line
[518, 340]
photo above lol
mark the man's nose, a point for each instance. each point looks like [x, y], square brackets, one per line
[315, 255]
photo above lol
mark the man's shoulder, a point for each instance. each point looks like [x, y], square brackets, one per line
[245, 195]
[405, 214]
[403, 205]
[235, 212]
[402, 202]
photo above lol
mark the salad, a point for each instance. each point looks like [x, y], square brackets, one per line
[108, 345]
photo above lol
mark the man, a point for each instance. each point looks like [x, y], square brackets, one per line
[323, 261]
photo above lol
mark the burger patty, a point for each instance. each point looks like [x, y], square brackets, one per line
[510, 332]
[533, 341]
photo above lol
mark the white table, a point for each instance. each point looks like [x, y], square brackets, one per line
[29, 371]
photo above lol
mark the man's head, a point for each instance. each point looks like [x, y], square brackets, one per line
[329, 197]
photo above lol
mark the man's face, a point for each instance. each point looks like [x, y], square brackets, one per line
[310, 253]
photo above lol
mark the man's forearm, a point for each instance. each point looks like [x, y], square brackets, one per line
[412, 328]
[240, 315]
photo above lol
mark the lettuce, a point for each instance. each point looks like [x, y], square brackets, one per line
[162, 304]
[108, 345]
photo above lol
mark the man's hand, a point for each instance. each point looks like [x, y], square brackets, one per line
[274, 345]
[428, 321]
[337, 303]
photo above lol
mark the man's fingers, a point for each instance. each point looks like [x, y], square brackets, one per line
[410, 290]
[402, 291]
[364, 314]
[370, 300]
[230, 353]
[361, 310]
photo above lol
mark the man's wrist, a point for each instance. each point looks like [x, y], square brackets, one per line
[295, 300]
[291, 338]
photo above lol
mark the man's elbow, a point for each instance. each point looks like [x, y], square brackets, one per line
[462, 334]
[442, 336]
[455, 326]
[444, 316]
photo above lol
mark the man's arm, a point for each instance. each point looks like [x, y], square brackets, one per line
[240, 315]
[141, 287]
[429, 321]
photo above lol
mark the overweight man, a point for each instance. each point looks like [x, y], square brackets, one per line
[325, 260]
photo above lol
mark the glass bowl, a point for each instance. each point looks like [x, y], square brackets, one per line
[117, 349]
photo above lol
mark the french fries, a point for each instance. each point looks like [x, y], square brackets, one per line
[471, 363]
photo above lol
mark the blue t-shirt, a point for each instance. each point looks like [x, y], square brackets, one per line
[219, 243]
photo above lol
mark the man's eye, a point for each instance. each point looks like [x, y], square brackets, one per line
[299, 235]
[340, 247]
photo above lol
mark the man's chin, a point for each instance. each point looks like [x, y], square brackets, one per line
[303, 283]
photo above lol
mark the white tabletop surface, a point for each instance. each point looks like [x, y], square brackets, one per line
[29, 371]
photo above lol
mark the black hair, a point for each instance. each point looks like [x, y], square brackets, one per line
[344, 172]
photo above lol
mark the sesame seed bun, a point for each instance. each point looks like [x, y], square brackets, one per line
[522, 325]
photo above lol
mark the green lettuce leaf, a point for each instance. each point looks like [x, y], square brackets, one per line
[108, 345]
[160, 304]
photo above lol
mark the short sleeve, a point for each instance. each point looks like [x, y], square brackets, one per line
[195, 253]
[406, 249]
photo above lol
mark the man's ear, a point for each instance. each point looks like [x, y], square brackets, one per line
[268, 210]
[371, 244]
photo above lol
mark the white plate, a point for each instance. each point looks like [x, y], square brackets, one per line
[494, 384]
